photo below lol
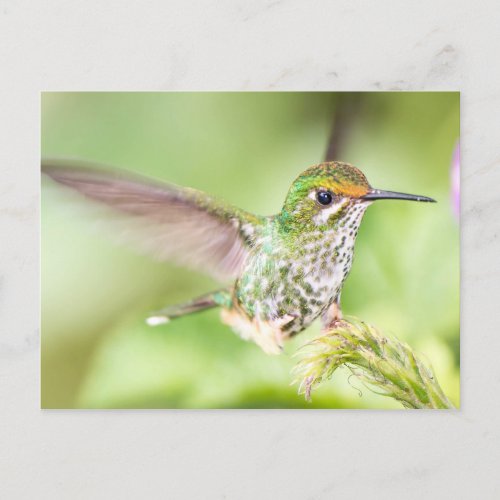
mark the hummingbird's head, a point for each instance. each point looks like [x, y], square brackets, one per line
[332, 193]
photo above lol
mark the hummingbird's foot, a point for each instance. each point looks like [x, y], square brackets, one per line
[333, 324]
[332, 318]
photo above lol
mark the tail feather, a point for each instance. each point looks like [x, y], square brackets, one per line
[208, 301]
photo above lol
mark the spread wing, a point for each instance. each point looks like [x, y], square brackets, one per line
[166, 221]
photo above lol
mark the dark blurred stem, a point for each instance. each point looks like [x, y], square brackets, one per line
[348, 108]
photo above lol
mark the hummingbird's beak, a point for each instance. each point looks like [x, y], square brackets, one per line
[378, 194]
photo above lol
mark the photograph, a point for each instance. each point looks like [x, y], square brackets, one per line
[242, 241]
[228, 250]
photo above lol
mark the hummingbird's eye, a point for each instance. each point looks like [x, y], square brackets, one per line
[324, 198]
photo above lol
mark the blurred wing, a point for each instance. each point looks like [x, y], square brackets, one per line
[166, 221]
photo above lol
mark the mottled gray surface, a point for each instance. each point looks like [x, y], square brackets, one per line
[242, 45]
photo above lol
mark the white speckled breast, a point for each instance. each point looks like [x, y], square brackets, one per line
[298, 281]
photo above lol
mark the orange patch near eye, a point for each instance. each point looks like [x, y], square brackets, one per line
[351, 190]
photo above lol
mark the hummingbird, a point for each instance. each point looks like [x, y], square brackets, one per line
[281, 272]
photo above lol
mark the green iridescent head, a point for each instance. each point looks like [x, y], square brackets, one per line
[323, 194]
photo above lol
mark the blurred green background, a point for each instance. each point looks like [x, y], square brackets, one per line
[247, 148]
